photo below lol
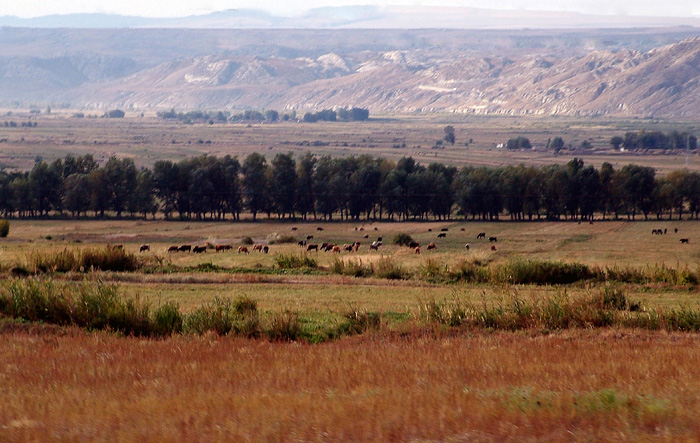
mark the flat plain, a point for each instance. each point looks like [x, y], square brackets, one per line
[407, 379]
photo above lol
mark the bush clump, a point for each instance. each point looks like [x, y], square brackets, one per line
[4, 228]
[223, 317]
[403, 239]
[110, 258]
[295, 261]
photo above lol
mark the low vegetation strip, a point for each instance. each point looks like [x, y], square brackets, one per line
[95, 305]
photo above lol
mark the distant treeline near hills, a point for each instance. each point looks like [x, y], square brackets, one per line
[353, 188]
[340, 114]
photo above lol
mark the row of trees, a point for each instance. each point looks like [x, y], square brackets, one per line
[350, 188]
[271, 116]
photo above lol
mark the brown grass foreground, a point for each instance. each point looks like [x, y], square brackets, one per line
[574, 385]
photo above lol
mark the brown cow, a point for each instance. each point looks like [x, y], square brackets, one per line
[329, 247]
[417, 249]
[493, 248]
[312, 247]
[184, 248]
[143, 248]
[356, 246]
[336, 249]
[243, 249]
[222, 247]
[431, 246]
[173, 249]
[347, 247]
[257, 247]
[199, 249]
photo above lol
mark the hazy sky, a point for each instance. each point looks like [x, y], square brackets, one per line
[178, 8]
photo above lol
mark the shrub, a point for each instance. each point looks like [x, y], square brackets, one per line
[358, 321]
[167, 319]
[541, 272]
[247, 240]
[223, 317]
[387, 268]
[295, 261]
[280, 239]
[402, 239]
[285, 327]
[4, 228]
[352, 267]
[110, 258]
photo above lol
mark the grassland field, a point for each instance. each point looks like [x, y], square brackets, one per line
[406, 382]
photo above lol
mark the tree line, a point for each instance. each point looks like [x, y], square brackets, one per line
[350, 188]
[270, 116]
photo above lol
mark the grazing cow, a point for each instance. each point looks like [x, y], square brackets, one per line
[312, 247]
[467, 246]
[362, 229]
[365, 236]
[294, 228]
[302, 243]
[431, 246]
[356, 246]
[309, 237]
[665, 230]
[413, 244]
[417, 250]
[222, 247]
[379, 239]
[257, 247]
[442, 235]
[184, 248]
[243, 249]
[347, 247]
[685, 240]
[266, 249]
[675, 230]
[143, 248]
[493, 239]
[375, 245]
[444, 230]
[654, 232]
[329, 247]
[481, 235]
[319, 229]
[324, 245]
[336, 249]
[493, 248]
[430, 230]
[462, 229]
[199, 249]
[173, 249]
[376, 229]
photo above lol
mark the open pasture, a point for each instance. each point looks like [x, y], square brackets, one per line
[148, 139]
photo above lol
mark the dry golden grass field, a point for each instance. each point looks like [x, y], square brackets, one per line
[406, 380]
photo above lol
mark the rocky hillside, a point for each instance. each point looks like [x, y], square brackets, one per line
[400, 75]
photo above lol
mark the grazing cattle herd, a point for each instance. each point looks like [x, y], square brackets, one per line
[337, 248]
[327, 246]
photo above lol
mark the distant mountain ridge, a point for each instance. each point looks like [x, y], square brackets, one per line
[359, 16]
[616, 72]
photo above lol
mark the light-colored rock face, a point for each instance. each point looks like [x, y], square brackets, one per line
[447, 76]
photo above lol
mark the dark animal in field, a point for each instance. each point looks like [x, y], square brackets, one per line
[685, 240]
[379, 239]
[675, 230]
[243, 249]
[312, 247]
[199, 249]
[442, 235]
[431, 246]
[294, 228]
[654, 232]
[336, 249]
[324, 245]
[413, 244]
[301, 242]
[356, 246]
[365, 236]
[493, 248]
[462, 229]
[417, 249]
[362, 229]
[257, 247]
[329, 247]
[430, 230]
[375, 245]
[173, 249]
[184, 248]
[467, 246]
[144, 248]
[481, 235]
[444, 230]
[222, 247]
[319, 229]
[309, 237]
[665, 230]
[347, 248]
[266, 249]
[376, 229]
[117, 246]
[493, 239]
